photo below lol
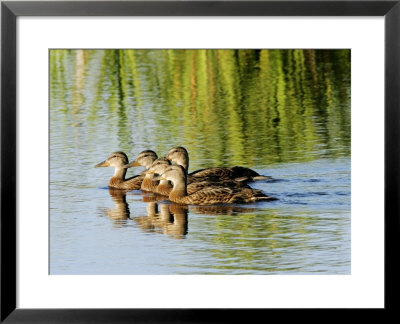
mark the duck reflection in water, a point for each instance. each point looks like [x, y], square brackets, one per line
[120, 213]
[163, 217]
[166, 218]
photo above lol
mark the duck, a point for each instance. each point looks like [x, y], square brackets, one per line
[208, 195]
[145, 159]
[163, 187]
[119, 160]
[158, 166]
[180, 156]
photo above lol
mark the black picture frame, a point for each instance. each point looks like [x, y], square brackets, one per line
[10, 10]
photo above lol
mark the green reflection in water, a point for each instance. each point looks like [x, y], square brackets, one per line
[257, 241]
[249, 107]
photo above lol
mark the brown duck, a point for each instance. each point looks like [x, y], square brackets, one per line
[207, 195]
[181, 156]
[157, 167]
[163, 187]
[119, 160]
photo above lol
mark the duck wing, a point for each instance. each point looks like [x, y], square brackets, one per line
[248, 195]
[220, 195]
[209, 196]
[204, 184]
[237, 173]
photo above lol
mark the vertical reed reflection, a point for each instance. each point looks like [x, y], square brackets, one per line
[254, 106]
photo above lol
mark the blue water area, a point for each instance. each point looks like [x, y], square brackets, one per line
[306, 231]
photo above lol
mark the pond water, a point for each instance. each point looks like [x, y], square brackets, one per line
[284, 113]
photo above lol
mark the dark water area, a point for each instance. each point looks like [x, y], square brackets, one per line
[284, 113]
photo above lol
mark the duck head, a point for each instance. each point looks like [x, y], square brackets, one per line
[159, 166]
[174, 173]
[116, 160]
[179, 155]
[145, 159]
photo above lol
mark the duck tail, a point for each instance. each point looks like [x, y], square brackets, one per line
[260, 195]
[261, 177]
[264, 198]
[242, 179]
[245, 179]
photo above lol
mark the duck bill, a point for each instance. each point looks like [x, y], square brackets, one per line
[102, 164]
[130, 165]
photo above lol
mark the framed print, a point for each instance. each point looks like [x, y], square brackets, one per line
[190, 161]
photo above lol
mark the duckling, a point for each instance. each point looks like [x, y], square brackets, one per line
[158, 165]
[145, 158]
[207, 195]
[119, 160]
[180, 156]
[164, 187]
